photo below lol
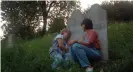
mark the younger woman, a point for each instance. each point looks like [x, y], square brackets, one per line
[87, 49]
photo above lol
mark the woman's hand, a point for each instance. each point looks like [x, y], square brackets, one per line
[72, 42]
[79, 41]
[66, 50]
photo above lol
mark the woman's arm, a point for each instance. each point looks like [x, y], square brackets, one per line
[83, 38]
[91, 39]
[61, 45]
[70, 42]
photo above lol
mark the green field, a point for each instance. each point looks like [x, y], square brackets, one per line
[33, 56]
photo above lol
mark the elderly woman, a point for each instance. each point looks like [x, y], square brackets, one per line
[87, 49]
[59, 50]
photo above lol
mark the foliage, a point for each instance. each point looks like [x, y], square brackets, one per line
[119, 10]
[120, 37]
[57, 25]
[25, 14]
[33, 56]
[56, 9]
[20, 15]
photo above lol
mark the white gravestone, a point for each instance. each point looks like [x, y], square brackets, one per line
[99, 19]
[74, 24]
[10, 41]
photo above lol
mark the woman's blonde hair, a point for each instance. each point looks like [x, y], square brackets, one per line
[66, 30]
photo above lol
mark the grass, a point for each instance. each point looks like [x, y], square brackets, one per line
[33, 56]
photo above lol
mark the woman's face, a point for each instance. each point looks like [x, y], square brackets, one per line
[66, 35]
[83, 27]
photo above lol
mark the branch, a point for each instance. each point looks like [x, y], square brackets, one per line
[53, 2]
[47, 3]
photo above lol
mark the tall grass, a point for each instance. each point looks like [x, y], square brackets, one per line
[33, 56]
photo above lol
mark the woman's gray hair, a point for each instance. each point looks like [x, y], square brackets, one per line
[65, 30]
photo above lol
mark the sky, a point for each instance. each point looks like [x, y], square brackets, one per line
[87, 3]
[84, 4]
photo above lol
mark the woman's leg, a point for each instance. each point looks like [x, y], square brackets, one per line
[73, 56]
[68, 60]
[68, 56]
[57, 59]
[82, 53]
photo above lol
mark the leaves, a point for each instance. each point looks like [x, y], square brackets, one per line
[25, 14]
[57, 25]
[119, 10]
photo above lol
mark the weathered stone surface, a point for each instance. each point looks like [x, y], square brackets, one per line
[10, 40]
[74, 24]
[99, 19]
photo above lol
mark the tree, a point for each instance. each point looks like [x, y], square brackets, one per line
[119, 10]
[57, 25]
[54, 9]
[20, 14]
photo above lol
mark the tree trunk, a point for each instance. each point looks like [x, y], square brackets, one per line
[44, 13]
[44, 25]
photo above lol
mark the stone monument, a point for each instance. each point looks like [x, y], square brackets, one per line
[99, 19]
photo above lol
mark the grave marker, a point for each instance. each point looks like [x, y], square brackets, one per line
[74, 24]
[99, 19]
